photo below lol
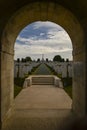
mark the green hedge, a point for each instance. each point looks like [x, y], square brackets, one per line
[18, 85]
[19, 81]
[68, 89]
[67, 81]
[17, 90]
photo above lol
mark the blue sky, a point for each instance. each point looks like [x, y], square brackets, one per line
[43, 38]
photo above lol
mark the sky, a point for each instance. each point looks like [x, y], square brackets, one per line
[43, 38]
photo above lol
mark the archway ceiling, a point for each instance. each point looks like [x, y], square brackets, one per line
[9, 7]
[78, 7]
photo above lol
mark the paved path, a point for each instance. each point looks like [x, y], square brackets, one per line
[42, 70]
[41, 107]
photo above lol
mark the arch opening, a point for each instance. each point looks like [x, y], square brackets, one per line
[41, 42]
[40, 38]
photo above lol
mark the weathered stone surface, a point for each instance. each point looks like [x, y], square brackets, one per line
[7, 84]
[43, 80]
[43, 102]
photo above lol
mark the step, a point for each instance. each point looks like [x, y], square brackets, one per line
[43, 80]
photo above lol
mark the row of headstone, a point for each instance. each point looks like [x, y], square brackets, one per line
[62, 68]
[21, 69]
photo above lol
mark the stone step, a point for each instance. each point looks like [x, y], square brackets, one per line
[43, 80]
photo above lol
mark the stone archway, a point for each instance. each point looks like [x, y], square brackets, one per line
[42, 11]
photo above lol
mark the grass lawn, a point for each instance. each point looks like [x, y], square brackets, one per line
[17, 89]
[18, 85]
[68, 89]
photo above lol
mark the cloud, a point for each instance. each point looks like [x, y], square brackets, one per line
[42, 37]
[42, 34]
[48, 25]
[25, 50]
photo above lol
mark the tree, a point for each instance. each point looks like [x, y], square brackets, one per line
[58, 58]
[38, 59]
[28, 58]
[23, 60]
[67, 60]
[47, 59]
[63, 60]
[18, 60]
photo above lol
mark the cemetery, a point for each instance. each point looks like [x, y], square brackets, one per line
[63, 68]
[62, 74]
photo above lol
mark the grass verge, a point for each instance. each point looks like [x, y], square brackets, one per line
[17, 90]
[18, 85]
[68, 90]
